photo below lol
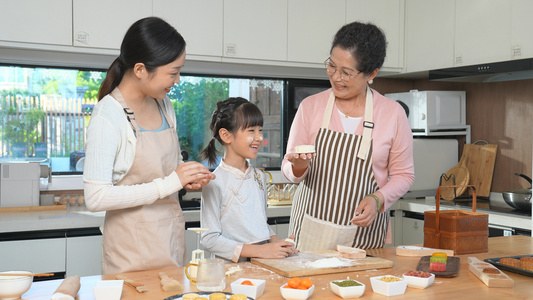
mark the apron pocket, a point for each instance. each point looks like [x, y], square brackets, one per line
[162, 243]
[316, 234]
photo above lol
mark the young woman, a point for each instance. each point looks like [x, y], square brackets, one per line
[234, 205]
[133, 167]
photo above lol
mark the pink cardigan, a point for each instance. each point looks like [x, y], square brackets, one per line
[392, 142]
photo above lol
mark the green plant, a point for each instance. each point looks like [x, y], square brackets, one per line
[24, 129]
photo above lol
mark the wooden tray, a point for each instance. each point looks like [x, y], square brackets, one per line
[452, 266]
[496, 262]
[33, 208]
[477, 266]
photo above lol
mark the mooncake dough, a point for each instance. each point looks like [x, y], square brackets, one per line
[238, 297]
[217, 296]
[190, 296]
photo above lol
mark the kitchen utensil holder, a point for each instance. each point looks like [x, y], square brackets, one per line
[464, 232]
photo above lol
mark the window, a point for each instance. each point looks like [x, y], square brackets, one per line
[44, 113]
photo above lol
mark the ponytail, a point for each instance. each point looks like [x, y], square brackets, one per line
[210, 152]
[112, 79]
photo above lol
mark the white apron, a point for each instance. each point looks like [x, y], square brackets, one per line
[149, 236]
[339, 177]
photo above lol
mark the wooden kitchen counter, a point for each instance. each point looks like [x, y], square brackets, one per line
[465, 285]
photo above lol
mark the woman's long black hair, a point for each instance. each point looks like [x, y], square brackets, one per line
[231, 114]
[150, 41]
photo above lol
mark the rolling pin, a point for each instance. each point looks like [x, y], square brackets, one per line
[68, 289]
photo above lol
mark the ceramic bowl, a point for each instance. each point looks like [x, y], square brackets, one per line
[295, 294]
[388, 288]
[419, 282]
[253, 291]
[108, 289]
[12, 287]
[347, 292]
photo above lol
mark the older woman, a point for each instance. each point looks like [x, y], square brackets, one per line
[364, 150]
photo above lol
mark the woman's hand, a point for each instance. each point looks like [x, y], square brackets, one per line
[300, 162]
[194, 175]
[366, 212]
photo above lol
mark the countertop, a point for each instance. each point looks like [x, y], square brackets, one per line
[464, 285]
[79, 217]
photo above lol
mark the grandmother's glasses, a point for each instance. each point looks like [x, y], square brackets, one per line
[345, 73]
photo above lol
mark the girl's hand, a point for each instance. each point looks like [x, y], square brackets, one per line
[194, 175]
[366, 212]
[300, 162]
[281, 249]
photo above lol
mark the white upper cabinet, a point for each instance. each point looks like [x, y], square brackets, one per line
[103, 24]
[429, 34]
[36, 21]
[198, 21]
[312, 25]
[387, 15]
[254, 29]
[522, 24]
[482, 31]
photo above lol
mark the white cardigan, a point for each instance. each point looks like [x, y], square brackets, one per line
[110, 150]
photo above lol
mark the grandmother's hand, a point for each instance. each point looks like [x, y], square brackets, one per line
[366, 212]
[300, 162]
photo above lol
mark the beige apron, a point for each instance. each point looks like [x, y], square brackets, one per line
[339, 177]
[148, 236]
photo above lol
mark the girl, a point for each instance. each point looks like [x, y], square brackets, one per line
[133, 167]
[234, 205]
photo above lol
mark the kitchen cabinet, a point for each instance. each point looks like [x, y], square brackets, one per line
[103, 24]
[429, 34]
[412, 228]
[255, 29]
[190, 17]
[84, 255]
[36, 21]
[387, 15]
[482, 31]
[521, 22]
[309, 36]
[36, 255]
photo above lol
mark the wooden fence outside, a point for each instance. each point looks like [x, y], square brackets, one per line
[61, 126]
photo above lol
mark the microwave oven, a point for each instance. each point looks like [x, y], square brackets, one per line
[433, 112]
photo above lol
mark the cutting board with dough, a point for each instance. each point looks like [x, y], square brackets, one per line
[318, 263]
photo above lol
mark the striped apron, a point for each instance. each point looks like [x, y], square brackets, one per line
[338, 178]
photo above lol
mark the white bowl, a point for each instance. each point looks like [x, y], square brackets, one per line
[419, 282]
[295, 294]
[108, 289]
[12, 287]
[388, 288]
[347, 292]
[253, 291]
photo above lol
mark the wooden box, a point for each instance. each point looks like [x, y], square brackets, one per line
[462, 231]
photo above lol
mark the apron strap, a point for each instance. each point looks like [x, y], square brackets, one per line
[368, 125]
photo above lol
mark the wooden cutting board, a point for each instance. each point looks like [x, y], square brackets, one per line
[309, 264]
[457, 175]
[480, 165]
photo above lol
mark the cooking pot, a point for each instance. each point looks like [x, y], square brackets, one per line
[519, 199]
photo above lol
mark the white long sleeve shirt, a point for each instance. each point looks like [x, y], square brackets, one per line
[234, 210]
[109, 153]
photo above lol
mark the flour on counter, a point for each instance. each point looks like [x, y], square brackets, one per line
[331, 262]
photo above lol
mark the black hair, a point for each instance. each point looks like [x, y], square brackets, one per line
[231, 114]
[150, 41]
[366, 43]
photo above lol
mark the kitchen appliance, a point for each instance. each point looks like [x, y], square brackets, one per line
[517, 69]
[19, 183]
[434, 112]
[432, 157]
